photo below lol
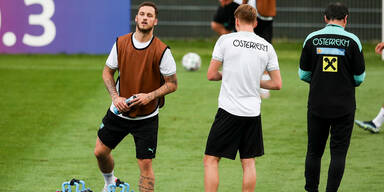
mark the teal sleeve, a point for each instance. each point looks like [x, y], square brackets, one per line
[359, 79]
[305, 75]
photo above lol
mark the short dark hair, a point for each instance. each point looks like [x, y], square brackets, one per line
[150, 4]
[246, 13]
[336, 11]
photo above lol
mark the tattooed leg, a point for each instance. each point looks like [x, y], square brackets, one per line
[147, 177]
[146, 184]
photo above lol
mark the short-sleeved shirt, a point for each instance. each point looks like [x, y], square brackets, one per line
[333, 57]
[245, 56]
[167, 68]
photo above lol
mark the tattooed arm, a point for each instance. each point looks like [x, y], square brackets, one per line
[169, 86]
[109, 83]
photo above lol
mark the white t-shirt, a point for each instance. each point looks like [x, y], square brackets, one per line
[167, 68]
[245, 56]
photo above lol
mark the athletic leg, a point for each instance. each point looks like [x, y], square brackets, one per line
[111, 132]
[379, 119]
[318, 130]
[249, 174]
[341, 132]
[144, 133]
[223, 141]
[147, 176]
[211, 176]
[251, 146]
[105, 162]
[264, 29]
[104, 157]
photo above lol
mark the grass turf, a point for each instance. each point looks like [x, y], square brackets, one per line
[52, 106]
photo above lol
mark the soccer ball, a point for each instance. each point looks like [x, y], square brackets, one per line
[191, 61]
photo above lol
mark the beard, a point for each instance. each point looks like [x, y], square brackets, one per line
[142, 30]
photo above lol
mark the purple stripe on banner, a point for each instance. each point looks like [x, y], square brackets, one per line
[70, 26]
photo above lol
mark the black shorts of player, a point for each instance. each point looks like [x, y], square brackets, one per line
[230, 133]
[225, 16]
[264, 29]
[144, 132]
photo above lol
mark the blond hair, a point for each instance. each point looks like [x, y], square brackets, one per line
[246, 13]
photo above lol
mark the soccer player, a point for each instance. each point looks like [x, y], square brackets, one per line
[147, 70]
[237, 126]
[374, 125]
[332, 63]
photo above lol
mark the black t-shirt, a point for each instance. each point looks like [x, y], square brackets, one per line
[333, 56]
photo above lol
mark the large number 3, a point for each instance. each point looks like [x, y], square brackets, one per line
[44, 20]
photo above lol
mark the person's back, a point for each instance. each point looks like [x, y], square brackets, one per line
[337, 59]
[237, 126]
[332, 63]
[245, 57]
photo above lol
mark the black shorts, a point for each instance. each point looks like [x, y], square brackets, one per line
[230, 133]
[264, 29]
[144, 132]
[225, 16]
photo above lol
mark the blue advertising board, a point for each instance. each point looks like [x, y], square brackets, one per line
[62, 26]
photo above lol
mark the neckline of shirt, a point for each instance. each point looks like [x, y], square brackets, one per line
[247, 32]
[140, 45]
[335, 25]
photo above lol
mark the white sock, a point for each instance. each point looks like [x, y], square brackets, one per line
[108, 178]
[379, 120]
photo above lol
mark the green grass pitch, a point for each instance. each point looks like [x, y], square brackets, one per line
[52, 105]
